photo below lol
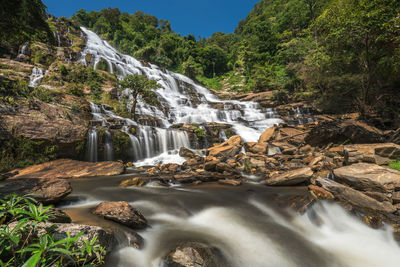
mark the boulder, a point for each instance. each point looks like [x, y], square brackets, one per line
[284, 147]
[135, 181]
[368, 177]
[267, 135]
[290, 134]
[122, 213]
[186, 153]
[380, 154]
[356, 199]
[319, 193]
[257, 148]
[230, 182]
[67, 168]
[341, 131]
[46, 190]
[193, 254]
[292, 177]
[227, 149]
[59, 216]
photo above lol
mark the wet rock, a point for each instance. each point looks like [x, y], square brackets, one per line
[227, 149]
[59, 216]
[291, 135]
[256, 147]
[319, 193]
[341, 131]
[211, 163]
[368, 177]
[193, 254]
[285, 147]
[169, 168]
[121, 212]
[357, 199]
[292, 177]
[46, 190]
[380, 154]
[230, 182]
[267, 135]
[67, 168]
[135, 181]
[186, 153]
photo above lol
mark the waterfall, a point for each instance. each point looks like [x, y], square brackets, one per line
[108, 147]
[36, 77]
[91, 153]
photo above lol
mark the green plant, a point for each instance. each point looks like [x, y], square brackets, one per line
[26, 241]
[75, 90]
[200, 132]
[395, 165]
[247, 166]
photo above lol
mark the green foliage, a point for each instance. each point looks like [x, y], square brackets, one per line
[395, 165]
[75, 90]
[191, 68]
[42, 94]
[139, 85]
[24, 241]
[21, 21]
[22, 152]
[14, 88]
[120, 142]
[200, 132]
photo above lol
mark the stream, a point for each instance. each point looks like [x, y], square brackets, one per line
[249, 225]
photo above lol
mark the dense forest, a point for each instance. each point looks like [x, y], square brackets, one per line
[343, 55]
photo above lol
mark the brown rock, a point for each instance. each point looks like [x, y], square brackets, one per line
[121, 212]
[46, 190]
[319, 193]
[368, 177]
[67, 168]
[186, 153]
[257, 148]
[371, 153]
[227, 149]
[292, 177]
[135, 181]
[348, 195]
[267, 135]
[230, 182]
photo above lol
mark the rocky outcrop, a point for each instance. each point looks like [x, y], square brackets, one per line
[352, 131]
[267, 135]
[369, 177]
[292, 177]
[67, 168]
[46, 190]
[122, 213]
[54, 124]
[380, 154]
[193, 254]
[357, 199]
[227, 149]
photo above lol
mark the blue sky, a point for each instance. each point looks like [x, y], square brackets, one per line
[197, 17]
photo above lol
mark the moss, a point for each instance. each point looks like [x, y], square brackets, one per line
[121, 144]
[248, 166]
[395, 165]
[229, 133]
[200, 132]
[21, 152]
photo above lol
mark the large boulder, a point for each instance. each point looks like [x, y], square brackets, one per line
[121, 212]
[380, 154]
[356, 199]
[292, 177]
[67, 168]
[340, 131]
[227, 149]
[368, 177]
[193, 254]
[46, 190]
[267, 135]
[257, 148]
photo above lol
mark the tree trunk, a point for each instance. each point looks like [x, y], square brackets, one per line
[133, 109]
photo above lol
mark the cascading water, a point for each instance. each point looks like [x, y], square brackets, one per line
[91, 153]
[108, 147]
[185, 102]
[36, 77]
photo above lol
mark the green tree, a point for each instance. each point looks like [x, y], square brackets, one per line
[139, 85]
[191, 68]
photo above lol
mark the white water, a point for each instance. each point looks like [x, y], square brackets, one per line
[187, 101]
[36, 77]
[91, 152]
[338, 239]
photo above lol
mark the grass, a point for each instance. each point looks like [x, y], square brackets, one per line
[395, 165]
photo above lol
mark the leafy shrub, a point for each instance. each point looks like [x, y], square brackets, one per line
[200, 132]
[75, 90]
[24, 241]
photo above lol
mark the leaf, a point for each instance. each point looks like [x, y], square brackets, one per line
[33, 260]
